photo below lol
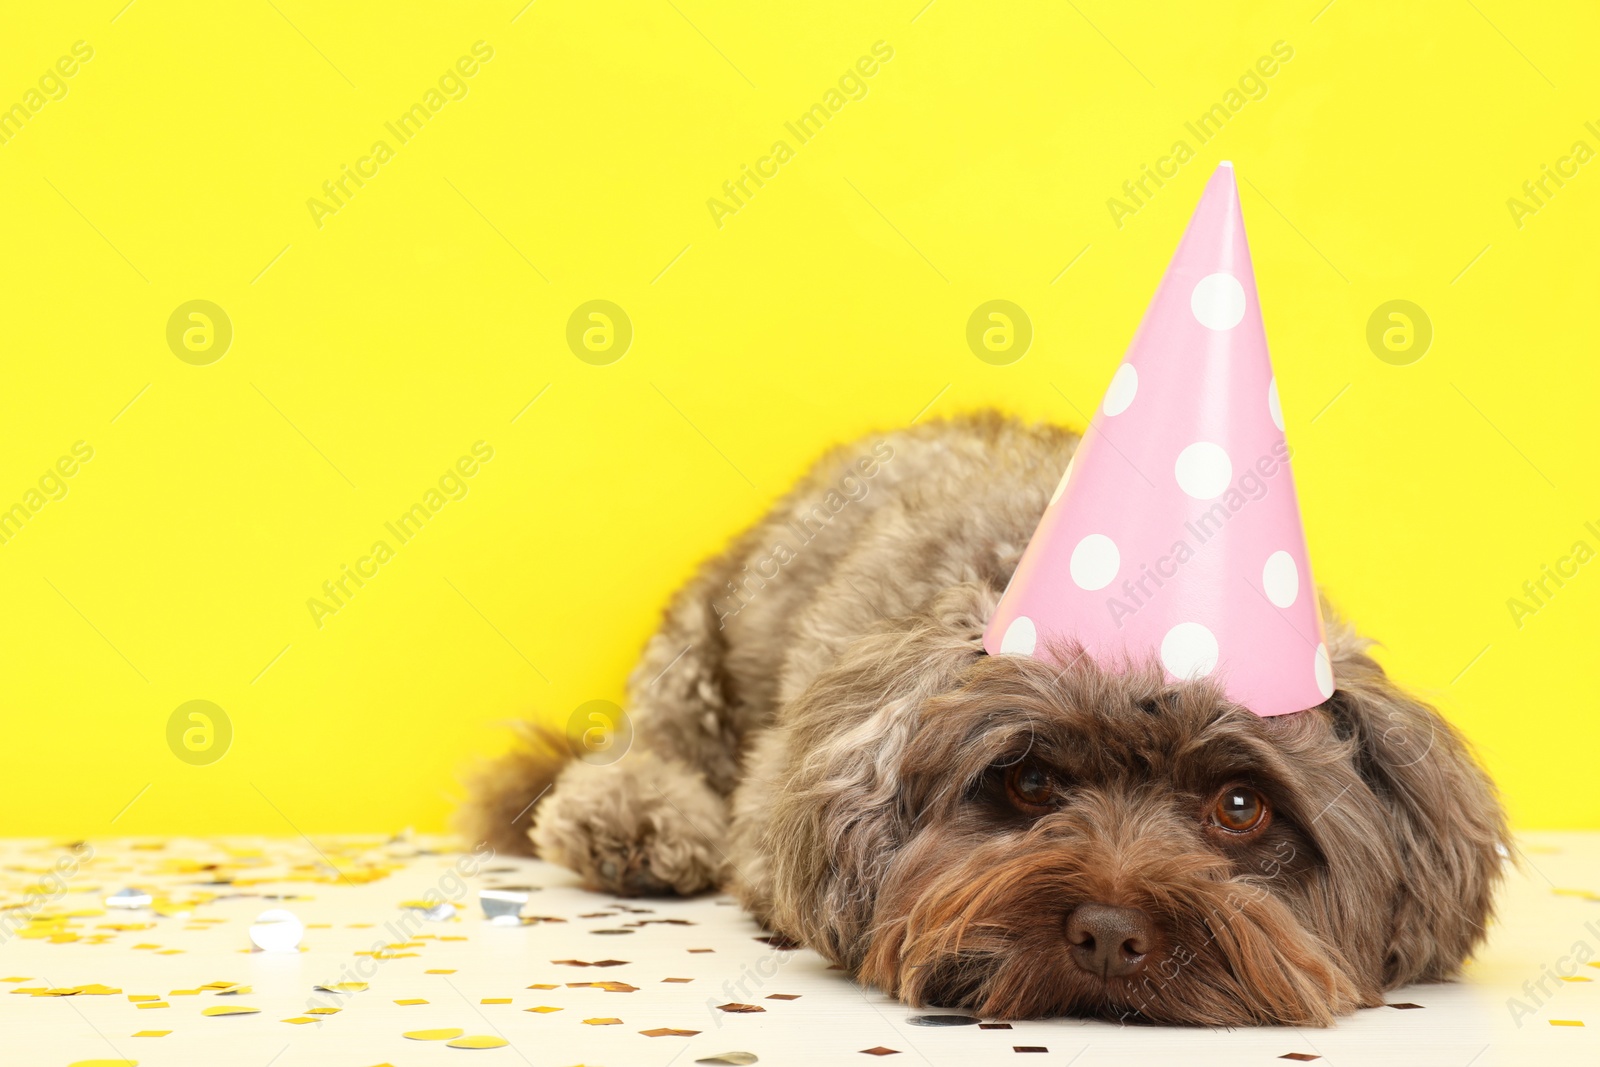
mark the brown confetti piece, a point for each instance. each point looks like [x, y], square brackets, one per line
[542, 1009]
[231, 1009]
[740, 1009]
[667, 1031]
[300, 1020]
[495, 1000]
[478, 1041]
[441, 971]
[783, 996]
[1303, 1057]
[1566, 1022]
[1404, 1006]
[994, 1026]
[1029, 1048]
[152, 1033]
[612, 931]
[879, 1050]
[410, 1001]
[432, 1035]
[778, 941]
[678, 980]
[572, 963]
[610, 963]
[602, 1022]
[702, 950]
[730, 1059]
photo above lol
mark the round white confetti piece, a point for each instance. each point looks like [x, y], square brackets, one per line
[1280, 578]
[277, 931]
[1218, 301]
[1324, 671]
[1061, 486]
[1094, 562]
[1189, 651]
[1020, 636]
[1274, 408]
[1123, 388]
[1203, 470]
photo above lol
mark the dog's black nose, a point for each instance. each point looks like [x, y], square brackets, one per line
[1110, 942]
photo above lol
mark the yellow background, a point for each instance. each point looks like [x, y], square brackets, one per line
[371, 352]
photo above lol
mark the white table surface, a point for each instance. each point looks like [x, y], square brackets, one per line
[1548, 909]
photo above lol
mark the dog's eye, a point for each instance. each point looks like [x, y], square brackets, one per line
[1030, 786]
[1240, 810]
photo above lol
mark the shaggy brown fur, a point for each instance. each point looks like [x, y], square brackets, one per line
[818, 729]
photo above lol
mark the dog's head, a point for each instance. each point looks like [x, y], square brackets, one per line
[1020, 839]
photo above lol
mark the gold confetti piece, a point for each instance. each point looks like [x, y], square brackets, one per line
[678, 980]
[184, 993]
[602, 1022]
[1577, 978]
[740, 1009]
[137, 997]
[542, 1009]
[409, 1002]
[450, 971]
[146, 946]
[14, 979]
[1566, 1022]
[343, 987]
[170, 952]
[231, 1009]
[478, 1041]
[323, 1011]
[300, 1020]
[451, 937]
[152, 1033]
[536, 985]
[432, 1035]
[495, 1000]
[667, 1031]
[235, 991]
[154, 1004]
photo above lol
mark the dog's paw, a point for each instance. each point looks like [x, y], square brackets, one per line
[638, 827]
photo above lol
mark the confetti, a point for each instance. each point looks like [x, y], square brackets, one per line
[602, 1022]
[942, 1020]
[740, 1009]
[879, 1050]
[323, 1011]
[544, 985]
[231, 1009]
[667, 1031]
[343, 987]
[495, 1000]
[1303, 1057]
[793, 996]
[1029, 1048]
[129, 899]
[542, 1009]
[152, 1033]
[679, 980]
[450, 971]
[478, 1041]
[609, 987]
[503, 906]
[156, 1004]
[300, 1020]
[1566, 1022]
[411, 1001]
[731, 1059]
[1404, 1006]
[994, 1026]
[432, 1035]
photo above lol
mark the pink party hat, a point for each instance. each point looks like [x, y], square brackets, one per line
[1175, 530]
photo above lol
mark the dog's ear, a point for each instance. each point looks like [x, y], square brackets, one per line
[1446, 823]
[839, 819]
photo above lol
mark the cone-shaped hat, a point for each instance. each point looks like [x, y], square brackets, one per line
[1175, 530]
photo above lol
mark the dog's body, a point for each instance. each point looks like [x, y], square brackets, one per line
[818, 729]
